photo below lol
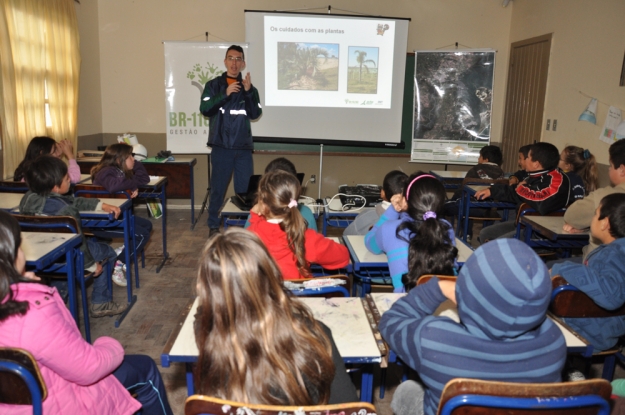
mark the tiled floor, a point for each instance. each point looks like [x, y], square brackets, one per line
[163, 296]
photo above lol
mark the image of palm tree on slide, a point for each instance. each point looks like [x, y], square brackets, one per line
[362, 70]
[308, 66]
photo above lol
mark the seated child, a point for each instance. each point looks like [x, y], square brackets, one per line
[284, 164]
[502, 294]
[407, 224]
[580, 166]
[602, 275]
[40, 146]
[488, 167]
[488, 164]
[80, 378]
[393, 184]
[48, 181]
[579, 215]
[257, 343]
[278, 223]
[546, 189]
[118, 171]
[521, 174]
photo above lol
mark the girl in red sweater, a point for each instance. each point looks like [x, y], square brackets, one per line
[283, 230]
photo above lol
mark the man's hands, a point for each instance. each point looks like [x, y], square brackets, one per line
[236, 86]
[233, 88]
[247, 82]
[111, 209]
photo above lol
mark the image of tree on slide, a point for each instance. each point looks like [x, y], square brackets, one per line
[362, 70]
[308, 66]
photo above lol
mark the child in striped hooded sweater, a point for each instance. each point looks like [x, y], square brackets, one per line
[502, 294]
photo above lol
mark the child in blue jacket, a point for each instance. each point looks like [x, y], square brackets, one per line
[413, 235]
[602, 275]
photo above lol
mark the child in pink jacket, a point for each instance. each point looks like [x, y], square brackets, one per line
[81, 378]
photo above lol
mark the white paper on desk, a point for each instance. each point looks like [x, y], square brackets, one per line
[612, 120]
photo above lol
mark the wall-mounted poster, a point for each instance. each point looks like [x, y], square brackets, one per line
[452, 105]
[188, 67]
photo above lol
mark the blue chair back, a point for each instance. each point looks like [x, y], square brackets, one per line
[472, 397]
[20, 380]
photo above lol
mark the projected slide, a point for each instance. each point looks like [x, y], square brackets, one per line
[328, 62]
[314, 67]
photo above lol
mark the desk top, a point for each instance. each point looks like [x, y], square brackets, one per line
[154, 180]
[230, 208]
[364, 257]
[185, 160]
[344, 316]
[120, 203]
[10, 201]
[551, 227]
[38, 244]
[384, 301]
[446, 174]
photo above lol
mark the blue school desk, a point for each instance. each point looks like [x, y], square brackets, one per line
[179, 171]
[369, 268]
[546, 232]
[452, 180]
[155, 189]
[43, 249]
[103, 220]
[337, 215]
[346, 317]
[231, 215]
[382, 302]
[468, 201]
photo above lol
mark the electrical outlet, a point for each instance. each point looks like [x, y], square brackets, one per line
[548, 124]
[313, 178]
[555, 125]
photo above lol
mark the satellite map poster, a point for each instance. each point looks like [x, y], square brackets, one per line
[452, 105]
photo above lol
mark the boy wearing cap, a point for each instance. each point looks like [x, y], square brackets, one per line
[502, 294]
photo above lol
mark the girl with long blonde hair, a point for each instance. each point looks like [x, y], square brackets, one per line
[257, 344]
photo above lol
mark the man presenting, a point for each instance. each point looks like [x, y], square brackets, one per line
[230, 101]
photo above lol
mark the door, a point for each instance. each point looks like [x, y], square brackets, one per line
[525, 96]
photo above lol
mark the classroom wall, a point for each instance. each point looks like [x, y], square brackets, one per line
[586, 60]
[90, 98]
[122, 78]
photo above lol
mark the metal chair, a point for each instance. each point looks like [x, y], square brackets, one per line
[204, 405]
[21, 382]
[473, 397]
